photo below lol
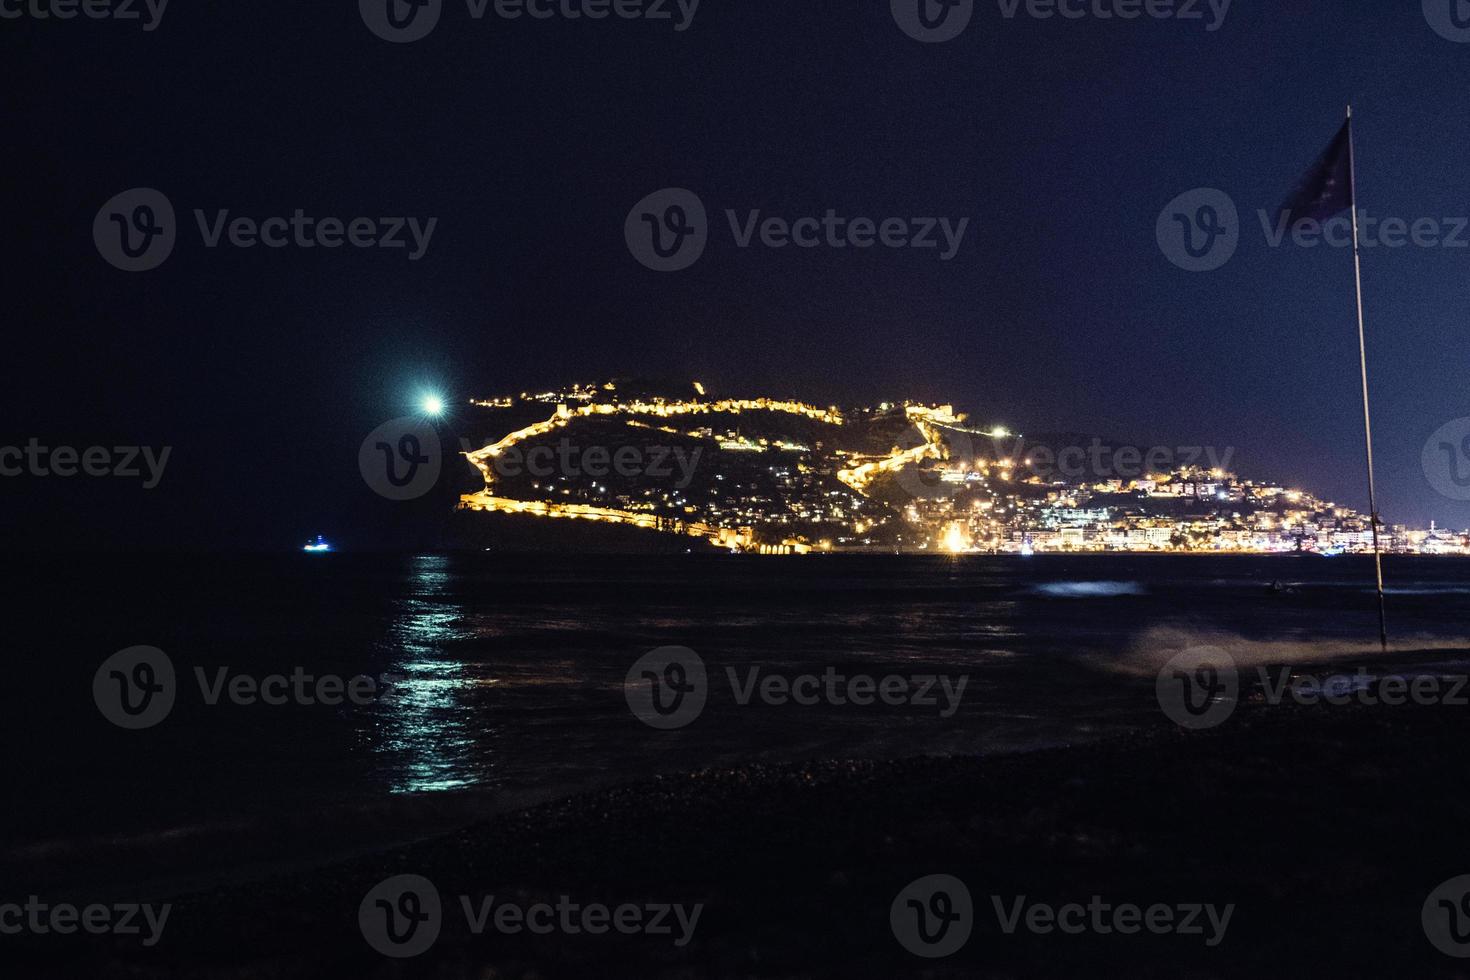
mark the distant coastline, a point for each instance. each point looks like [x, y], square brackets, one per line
[780, 476]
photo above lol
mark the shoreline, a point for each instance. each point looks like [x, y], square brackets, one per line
[1321, 825]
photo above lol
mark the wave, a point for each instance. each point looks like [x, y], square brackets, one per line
[1152, 649]
[1087, 590]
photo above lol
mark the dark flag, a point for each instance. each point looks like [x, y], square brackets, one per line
[1326, 190]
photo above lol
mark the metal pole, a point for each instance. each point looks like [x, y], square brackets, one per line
[1363, 364]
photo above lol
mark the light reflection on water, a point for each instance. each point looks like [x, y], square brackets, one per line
[513, 670]
[424, 730]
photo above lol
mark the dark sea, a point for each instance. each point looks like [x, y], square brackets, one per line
[507, 680]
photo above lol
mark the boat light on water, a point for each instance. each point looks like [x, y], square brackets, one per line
[320, 544]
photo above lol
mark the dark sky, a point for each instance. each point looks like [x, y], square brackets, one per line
[1060, 140]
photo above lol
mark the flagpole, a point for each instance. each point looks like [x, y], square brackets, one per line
[1363, 365]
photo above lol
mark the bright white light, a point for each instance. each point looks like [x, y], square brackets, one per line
[433, 405]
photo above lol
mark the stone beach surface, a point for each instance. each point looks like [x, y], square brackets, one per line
[1326, 827]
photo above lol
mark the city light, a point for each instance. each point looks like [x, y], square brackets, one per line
[837, 485]
[433, 405]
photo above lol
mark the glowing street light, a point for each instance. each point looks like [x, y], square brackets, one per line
[433, 405]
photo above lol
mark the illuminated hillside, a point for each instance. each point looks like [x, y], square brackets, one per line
[783, 476]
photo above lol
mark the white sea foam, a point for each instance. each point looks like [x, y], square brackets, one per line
[1154, 647]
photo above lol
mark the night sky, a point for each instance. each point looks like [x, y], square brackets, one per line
[530, 140]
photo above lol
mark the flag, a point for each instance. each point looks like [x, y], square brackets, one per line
[1326, 189]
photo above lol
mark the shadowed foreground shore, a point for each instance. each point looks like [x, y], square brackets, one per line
[1326, 827]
